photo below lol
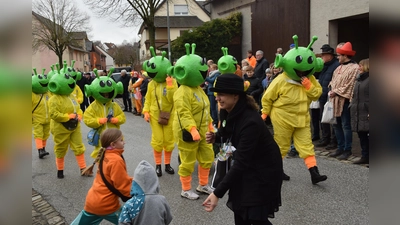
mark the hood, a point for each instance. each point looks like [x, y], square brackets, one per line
[146, 177]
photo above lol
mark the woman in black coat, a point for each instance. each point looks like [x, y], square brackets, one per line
[359, 110]
[254, 181]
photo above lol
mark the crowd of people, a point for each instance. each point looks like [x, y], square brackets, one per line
[193, 112]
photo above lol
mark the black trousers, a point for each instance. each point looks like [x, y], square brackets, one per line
[127, 102]
[364, 142]
[316, 121]
[239, 221]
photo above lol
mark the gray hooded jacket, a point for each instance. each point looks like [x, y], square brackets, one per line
[146, 206]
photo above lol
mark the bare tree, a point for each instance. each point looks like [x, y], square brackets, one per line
[125, 54]
[57, 20]
[129, 12]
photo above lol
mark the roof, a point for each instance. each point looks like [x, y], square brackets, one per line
[178, 21]
[77, 48]
[79, 35]
[205, 6]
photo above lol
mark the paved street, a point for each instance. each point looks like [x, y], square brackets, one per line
[342, 199]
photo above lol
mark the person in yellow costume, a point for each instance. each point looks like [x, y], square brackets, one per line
[159, 97]
[40, 112]
[287, 101]
[66, 115]
[193, 116]
[103, 113]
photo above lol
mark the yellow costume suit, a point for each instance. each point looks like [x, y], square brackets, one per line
[192, 106]
[40, 119]
[97, 110]
[162, 136]
[60, 106]
[287, 103]
[77, 93]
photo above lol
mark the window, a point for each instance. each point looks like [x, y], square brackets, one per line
[181, 10]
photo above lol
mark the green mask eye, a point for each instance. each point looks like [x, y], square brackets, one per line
[299, 61]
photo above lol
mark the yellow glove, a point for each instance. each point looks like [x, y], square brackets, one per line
[195, 134]
[114, 120]
[102, 120]
[146, 116]
[264, 116]
[306, 83]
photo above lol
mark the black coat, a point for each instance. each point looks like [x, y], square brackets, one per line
[325, 77]
[359, 106]
[255, 178]
[261, 66]
[255, 88]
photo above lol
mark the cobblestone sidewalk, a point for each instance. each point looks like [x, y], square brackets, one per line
[43, 213]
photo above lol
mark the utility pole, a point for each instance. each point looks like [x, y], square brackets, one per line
[169, 43]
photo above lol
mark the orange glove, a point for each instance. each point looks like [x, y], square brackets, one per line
[264, 116]
[72, 116]
[306, 83]
[169, 81]
[147, 116]
[195, 134]
[79, 117]
[102, 120]
[211, 127]
[114, 120]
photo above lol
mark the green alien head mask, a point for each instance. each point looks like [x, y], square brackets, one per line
[39, 82]
[103, 88]
[52, 72]
[190, 69]
[61, 83]
[227, 63]
[156, 67]
[299, 61]
[76, 75]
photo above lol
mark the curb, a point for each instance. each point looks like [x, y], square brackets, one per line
[43, 213]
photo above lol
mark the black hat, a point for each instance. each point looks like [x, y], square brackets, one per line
[327, 49]
[228, 83]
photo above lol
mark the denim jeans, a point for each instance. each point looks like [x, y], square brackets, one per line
[342, 128]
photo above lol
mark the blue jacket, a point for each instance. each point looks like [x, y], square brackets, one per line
[325, 77]
[211, 80]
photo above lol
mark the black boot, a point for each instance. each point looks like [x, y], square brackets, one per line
[60, 174]
[158, 170]
[285, 177]
[315, 176]
[42, 153]
[169, 169]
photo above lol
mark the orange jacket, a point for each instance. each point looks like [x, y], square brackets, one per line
[252, 61]
[100, 200]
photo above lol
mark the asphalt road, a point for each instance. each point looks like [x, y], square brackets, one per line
[342, 199]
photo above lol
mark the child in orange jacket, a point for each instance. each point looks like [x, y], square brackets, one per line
[102, 203]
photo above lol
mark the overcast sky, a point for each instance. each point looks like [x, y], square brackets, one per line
[106, 31]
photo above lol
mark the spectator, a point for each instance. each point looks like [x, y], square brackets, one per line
[325, 77]
[214, 73]
[257, 163]
[342, 85]
[359, 110]
[267, 80]
[251, 59]
[101, 202]
[136, 97]
[125, 78]
[261, 65]
[86, 80]
[279, 51]
[143, 86]
[255, 88]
